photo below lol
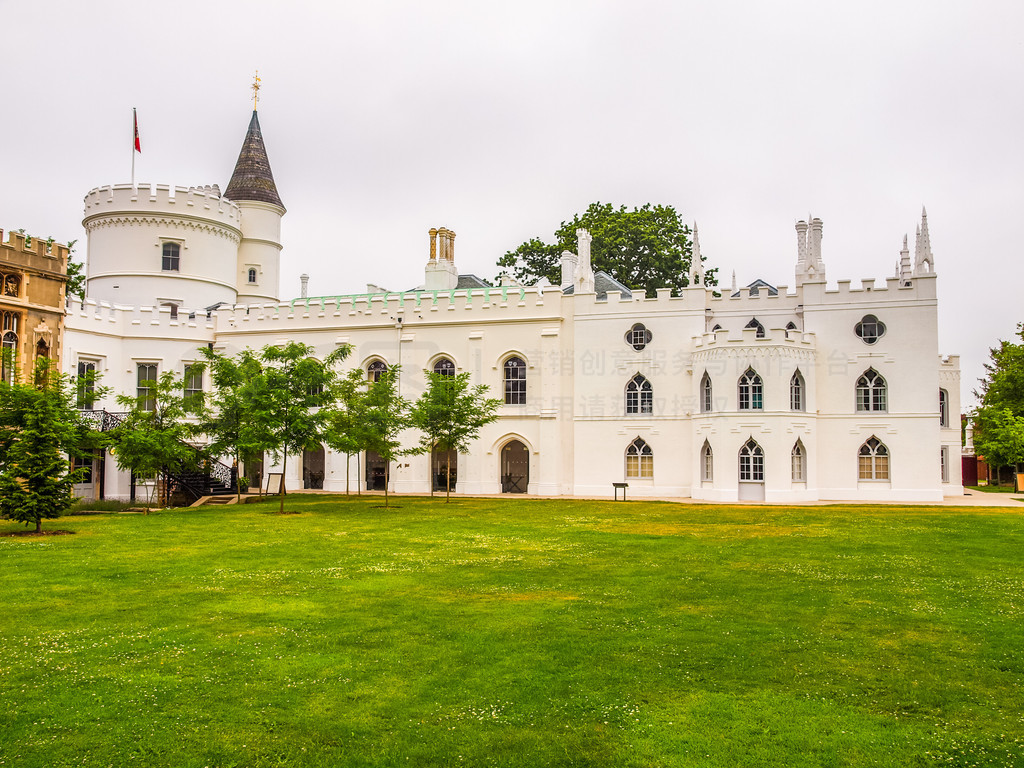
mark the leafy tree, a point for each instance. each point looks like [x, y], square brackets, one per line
[152, 438]
[227, 423]
[75, 274]
[291, 400]
[1001, 414]
[346, 433]
[1001, 438]
[39, 426]
[385, 414]
[645, 248]
[450, 414]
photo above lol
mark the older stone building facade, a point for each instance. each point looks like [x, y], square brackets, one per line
[814, 392]
[33, 276]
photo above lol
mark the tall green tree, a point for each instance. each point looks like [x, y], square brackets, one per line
[1000, 416]
[227, 422]
[152, 440]
[291, 400]
[450, 414]
[385, 415]
[644, 248]
[346, 432]
[40, 426]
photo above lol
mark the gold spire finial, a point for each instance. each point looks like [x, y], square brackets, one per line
[255, 90]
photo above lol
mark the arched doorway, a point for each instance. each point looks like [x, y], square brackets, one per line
[313, 467]
[444, 469]
[515, 467]
[376, 472]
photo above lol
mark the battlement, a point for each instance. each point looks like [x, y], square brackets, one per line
[204, 202]
[773, 337]
[46, 247]
[104, 317]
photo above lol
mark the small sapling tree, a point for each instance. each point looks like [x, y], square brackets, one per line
[151, 441]
[450, 414]
[385, 415]
[346, 432]
[291, 400]
[227, 421]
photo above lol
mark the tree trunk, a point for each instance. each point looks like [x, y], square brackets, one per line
[238, 482]
[39, 525]
[284, 467]
[348, 464]
[448, 477]
[387, 481]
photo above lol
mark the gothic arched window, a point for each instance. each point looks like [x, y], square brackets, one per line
[639, 395]
[752, 462]
[759, 332]
[639, 459]
[871, 391]
[706, 397]
[751, 392]
[796, 392]
[873, 460]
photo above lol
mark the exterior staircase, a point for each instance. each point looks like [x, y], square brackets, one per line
[209, 478]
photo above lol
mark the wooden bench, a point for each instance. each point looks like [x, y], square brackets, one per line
[623, 486]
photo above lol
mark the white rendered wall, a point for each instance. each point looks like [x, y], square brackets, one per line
[127, 228]
[259, 249]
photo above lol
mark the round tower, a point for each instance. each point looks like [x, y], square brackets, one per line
[253, 190]
[161, 246]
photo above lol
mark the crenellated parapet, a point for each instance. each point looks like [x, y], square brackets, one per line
[162, 205]
[106, 318]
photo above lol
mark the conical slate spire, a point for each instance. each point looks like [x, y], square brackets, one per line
[252, 178]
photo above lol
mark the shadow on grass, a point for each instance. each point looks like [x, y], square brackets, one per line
[52, 532]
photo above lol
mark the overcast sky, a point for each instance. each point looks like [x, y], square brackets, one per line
[501, 120]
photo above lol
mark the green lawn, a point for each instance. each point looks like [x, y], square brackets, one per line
[515, 633]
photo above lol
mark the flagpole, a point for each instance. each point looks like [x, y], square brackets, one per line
[135, 123]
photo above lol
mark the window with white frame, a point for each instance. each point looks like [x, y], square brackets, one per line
[759, 329]
[706, 394]
[252, 275]
[707, 463]
[515, 381]
[751, 462]
[375, 370]
[9, 346]
[639, 395]
[193, 399]
[798, 462]
[871, 391]
[796, 392]
[171, 257]
[944, 463]
[146, 378]
[873, 460]
[85, 385]
[751, 394]
[639, 460]
[943, 408]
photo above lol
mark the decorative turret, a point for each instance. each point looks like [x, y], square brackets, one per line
[696, 263]
[253, 189]
[905, 272]
[924, 262]
[584, 279]
[809, 266]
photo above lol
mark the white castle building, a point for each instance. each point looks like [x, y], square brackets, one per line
[761, 393]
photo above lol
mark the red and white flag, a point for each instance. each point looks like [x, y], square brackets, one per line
[135, 119]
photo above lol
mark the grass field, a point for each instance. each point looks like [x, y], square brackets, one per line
[515, 633]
